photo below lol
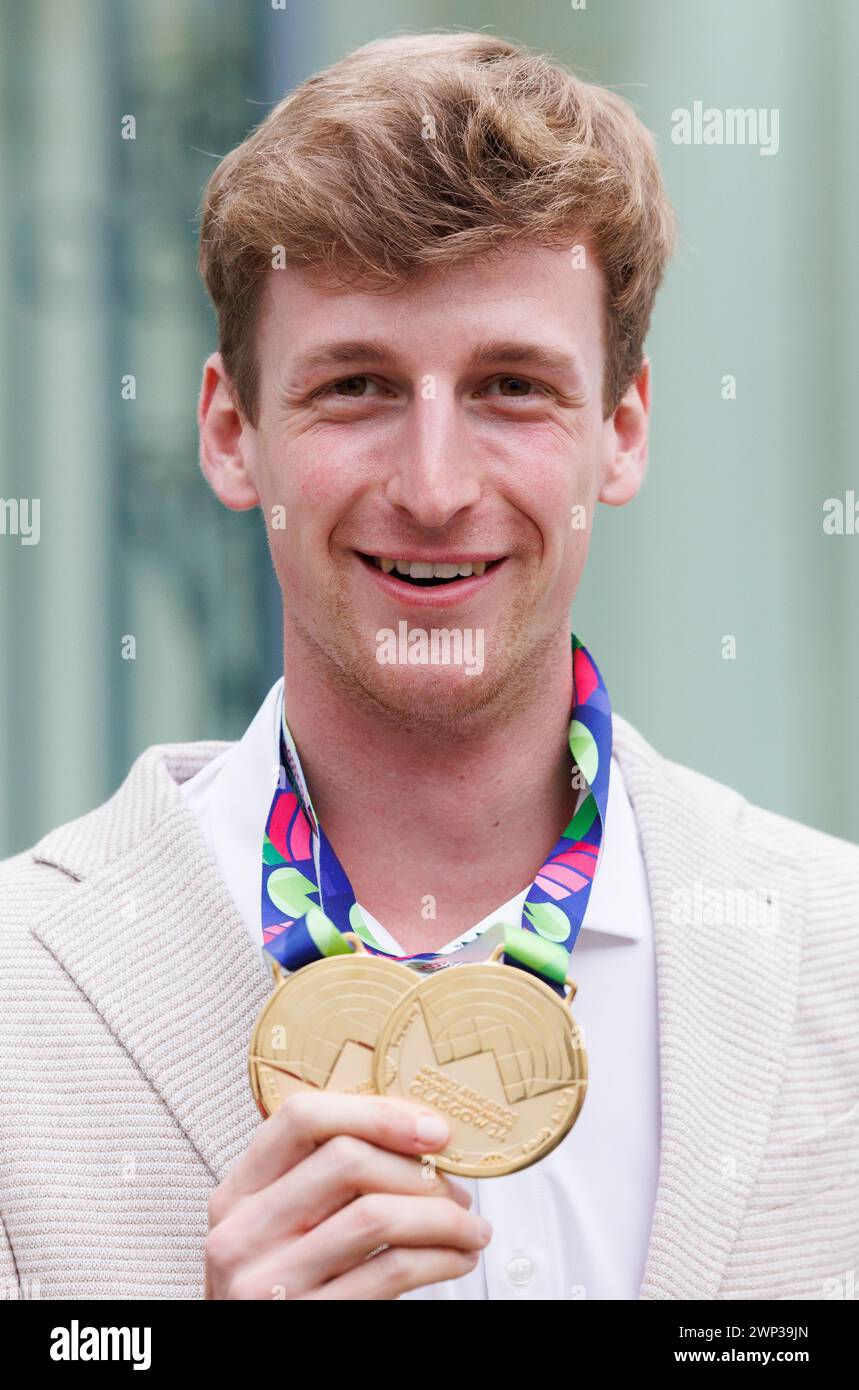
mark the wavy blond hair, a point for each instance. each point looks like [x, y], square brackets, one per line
[419, 152]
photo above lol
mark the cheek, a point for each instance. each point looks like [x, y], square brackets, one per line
[328, 476]
[552, 485]
[311, 484]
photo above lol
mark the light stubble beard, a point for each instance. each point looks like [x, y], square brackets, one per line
[429, 704]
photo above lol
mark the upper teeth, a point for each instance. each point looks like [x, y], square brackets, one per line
[420, 569]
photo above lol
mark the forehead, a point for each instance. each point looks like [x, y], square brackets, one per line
[534, 293]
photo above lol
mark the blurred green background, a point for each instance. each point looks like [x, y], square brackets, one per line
[98, 281]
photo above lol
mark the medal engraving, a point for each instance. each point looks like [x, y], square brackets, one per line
[318, 1031]
[496, 1052]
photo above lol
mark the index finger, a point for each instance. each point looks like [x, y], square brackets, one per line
[309, 1119]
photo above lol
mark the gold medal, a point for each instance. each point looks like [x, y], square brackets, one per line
[497, 1053]
[318, 1030]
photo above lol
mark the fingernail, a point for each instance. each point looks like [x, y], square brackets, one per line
[484, 1230]
[431, 1129]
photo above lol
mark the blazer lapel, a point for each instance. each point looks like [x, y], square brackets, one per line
[726, 998]
[154, 941]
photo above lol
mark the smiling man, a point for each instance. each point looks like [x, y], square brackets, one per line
[433, 267]
[401, 439]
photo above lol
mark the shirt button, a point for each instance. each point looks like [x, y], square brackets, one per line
[520, 1269]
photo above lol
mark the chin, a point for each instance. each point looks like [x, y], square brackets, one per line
[429, 695]
[462, 673]
[444, 685]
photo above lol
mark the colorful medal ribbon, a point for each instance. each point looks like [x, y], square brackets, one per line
[308, 902]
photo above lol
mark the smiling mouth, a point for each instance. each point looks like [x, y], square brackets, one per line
[425, 575]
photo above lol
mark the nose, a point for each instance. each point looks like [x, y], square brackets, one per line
[435, 475]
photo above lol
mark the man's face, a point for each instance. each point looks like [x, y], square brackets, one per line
[457, 422]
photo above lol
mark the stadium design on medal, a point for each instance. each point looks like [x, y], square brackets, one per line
[495, 1051]
[318, 1030]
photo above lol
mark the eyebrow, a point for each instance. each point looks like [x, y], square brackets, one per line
[510, 350]
[342, 352]
[526, 355]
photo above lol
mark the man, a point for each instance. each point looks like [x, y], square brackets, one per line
[433, 267]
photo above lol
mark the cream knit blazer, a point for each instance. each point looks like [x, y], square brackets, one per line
[129, 986]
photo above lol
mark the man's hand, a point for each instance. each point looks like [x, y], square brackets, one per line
[327, 1180]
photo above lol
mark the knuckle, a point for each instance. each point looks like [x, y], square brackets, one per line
[344, 1153]
[395, 1267]
[394, 1119]
[296, 1111]
[370, 1216]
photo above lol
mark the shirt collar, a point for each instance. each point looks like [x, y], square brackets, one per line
[240, 784]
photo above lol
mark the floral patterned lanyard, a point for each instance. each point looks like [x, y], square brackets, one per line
[308, 902]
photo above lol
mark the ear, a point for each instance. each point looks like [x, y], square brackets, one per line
[626, 442]
[226, 440]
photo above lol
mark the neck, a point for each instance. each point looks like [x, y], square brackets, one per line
[436, 827]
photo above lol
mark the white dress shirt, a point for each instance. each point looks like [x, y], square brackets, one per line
[577, 1223]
